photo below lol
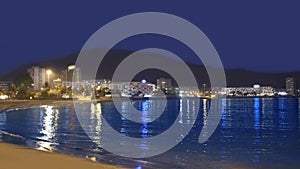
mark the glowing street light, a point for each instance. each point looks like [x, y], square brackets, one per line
[49, 72]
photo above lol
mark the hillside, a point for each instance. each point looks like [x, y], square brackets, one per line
[235, 77]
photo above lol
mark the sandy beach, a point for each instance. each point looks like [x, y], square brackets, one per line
[16, 157]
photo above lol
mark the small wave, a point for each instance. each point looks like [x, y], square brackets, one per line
[13, 109]
[12, 135]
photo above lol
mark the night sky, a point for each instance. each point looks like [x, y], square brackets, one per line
[260, 36]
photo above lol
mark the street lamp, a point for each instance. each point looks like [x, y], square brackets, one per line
[49, 72]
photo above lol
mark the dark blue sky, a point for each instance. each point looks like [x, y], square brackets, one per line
[260, 36]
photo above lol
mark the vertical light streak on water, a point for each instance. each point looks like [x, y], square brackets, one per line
[205, 116]
[183, 112]
[49, 126]
[223, 125]
[227, 116]
[256, 114]
[145, 105]
[145, 108]
[282, 114]
[205, 112]
[266, 119]
[188, 111]
[264, 105]
[2, 122]
[194, 108]
[223, 118]
[180, 110]
[96, 122]
[257, 138]
[99, 118]
[125, 108]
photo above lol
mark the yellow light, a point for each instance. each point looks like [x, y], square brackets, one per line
[49, 72]
[71, 67]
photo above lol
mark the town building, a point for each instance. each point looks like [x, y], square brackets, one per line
[71, 74]
[163, 83]
[38, 76]
[290, 85]
[4, 85]
[132, 89]
[256, 90]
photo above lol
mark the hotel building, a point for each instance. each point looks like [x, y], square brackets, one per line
[38, 76]
[290, 85]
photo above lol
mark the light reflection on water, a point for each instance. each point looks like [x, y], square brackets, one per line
[49, 118]
[254, 133]
[96, 121]
[2, 123]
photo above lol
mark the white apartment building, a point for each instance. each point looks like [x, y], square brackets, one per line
[38, 76]
[129, 89]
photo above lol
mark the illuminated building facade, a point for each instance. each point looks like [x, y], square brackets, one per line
[130, 89]
[4, 85]
[70, 73]
[256, 90]
[290, 85]
[38, 76]
[163, 83]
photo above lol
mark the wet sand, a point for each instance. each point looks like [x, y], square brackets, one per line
[15, 157]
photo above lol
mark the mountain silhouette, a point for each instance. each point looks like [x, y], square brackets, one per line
[234, 77]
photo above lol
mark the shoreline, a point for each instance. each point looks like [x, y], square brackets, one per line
[17, 157]
[23, 104]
